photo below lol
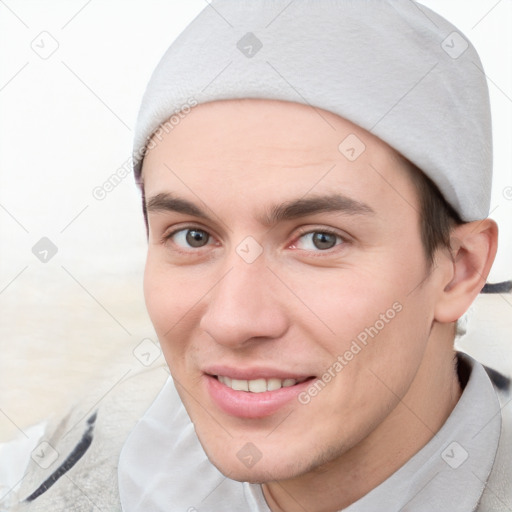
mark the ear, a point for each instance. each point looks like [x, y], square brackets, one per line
[472, 253]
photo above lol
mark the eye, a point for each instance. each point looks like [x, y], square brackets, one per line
[190, 238]
[318, 240]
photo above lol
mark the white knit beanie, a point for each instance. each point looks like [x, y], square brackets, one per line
[393, 67]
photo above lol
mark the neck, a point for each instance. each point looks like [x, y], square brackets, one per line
[417, 418]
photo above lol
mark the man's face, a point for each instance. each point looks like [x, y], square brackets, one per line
[272, 256]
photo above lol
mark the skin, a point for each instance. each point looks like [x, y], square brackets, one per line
[297, 307]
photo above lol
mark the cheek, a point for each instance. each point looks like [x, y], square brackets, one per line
[170, 299]
[374, 318]
[156, 283]
[346, 301]
[374, 360]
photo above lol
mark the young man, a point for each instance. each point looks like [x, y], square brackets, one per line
[316, 180]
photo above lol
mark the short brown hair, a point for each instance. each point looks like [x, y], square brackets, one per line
[437, 216]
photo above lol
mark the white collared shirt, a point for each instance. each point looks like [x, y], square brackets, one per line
[163, 467]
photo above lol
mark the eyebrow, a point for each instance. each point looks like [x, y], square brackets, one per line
[165, 202]
[336, 203]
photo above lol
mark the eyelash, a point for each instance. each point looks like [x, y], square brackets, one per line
[328, 231]
[167, 236]
[301, 232]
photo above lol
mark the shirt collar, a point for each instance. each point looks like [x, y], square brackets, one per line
[451, 470]
[163, 462]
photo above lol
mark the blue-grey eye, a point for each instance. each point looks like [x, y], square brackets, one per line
[187, 238]
[318, 240]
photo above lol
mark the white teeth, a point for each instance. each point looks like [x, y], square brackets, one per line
[273, 384]
[240, 385]
[256, 385]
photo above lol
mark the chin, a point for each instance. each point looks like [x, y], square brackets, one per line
[269, 463]
[261, 472]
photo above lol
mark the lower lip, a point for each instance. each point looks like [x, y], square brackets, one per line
[245, 404]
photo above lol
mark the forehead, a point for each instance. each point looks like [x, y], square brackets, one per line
[275, 151]
[258, 125]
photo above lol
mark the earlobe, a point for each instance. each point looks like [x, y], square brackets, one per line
[473, 249]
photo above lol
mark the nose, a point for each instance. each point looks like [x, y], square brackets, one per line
[245, 306]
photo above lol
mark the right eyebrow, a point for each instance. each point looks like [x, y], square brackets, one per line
[303, 207]
[165, 202]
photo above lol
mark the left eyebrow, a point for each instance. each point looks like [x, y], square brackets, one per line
[303, 207]
[167, 202]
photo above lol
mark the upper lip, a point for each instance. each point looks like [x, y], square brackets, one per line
[254, 373]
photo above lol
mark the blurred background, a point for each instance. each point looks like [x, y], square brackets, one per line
[72, 252]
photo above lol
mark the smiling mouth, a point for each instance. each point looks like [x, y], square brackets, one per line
[259, 385]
